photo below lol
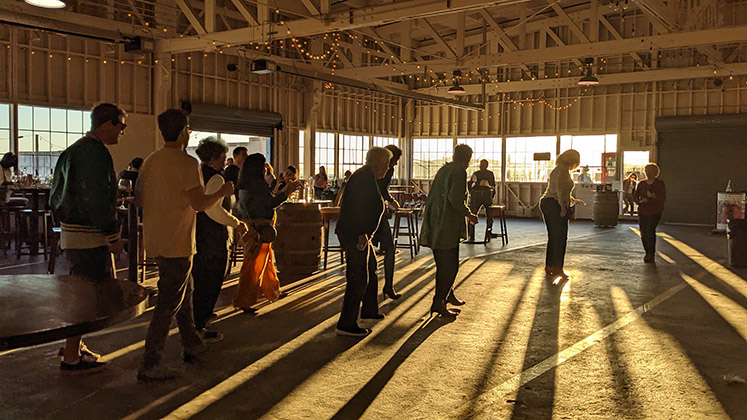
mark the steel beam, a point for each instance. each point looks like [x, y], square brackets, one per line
[336, 21]
[706, 37]
[245, 12]
[737, 69]
[191, 17]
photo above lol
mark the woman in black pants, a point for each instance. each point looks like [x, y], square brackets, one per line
[555, 205]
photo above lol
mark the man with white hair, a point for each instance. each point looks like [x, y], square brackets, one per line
[360, 213]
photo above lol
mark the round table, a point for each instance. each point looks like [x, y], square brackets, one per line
[40, 308]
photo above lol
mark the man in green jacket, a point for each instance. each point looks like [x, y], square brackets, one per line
[444, 226]
[83, 195]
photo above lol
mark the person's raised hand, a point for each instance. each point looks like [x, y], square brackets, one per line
[292, 186]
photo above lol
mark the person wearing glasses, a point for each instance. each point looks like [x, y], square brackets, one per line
[170, 190]
[83, 198]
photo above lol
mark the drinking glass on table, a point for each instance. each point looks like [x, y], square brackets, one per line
[125, 190]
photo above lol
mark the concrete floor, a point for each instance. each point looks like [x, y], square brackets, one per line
[622, 339]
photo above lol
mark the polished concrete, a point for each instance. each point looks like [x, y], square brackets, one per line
[622, 339]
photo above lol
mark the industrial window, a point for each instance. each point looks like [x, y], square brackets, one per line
[591, 148]
[520, 163]
[484, 148]
[301, 166]
[352, 152]
[43, 133]
[253, 144]
[428, 155]
[4, 128]
[324, 153]
[385, 141]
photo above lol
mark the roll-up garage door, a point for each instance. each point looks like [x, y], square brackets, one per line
[698, 155]
[218, 119]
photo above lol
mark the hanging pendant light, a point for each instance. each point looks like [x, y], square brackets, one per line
[588, 79]
[456, 89]
[47, 4]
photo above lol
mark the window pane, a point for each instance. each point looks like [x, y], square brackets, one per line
[520, 163]
[352, 152]
[484, 148]
[25, 117]
[301, 146]
[58, 142]
[324, 153]
[590, 147]
[429, 155]
[4, 116]
[75, 121]
[4, 141]
[58, 120]
[41, 118]
[25, 141]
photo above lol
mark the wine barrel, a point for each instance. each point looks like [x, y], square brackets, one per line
[298, 246]
[606, 208]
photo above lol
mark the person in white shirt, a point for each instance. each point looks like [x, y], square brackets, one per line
[211, 260]
[555, 206]
[170, 190]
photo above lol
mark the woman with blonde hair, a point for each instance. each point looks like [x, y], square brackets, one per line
[555, 205]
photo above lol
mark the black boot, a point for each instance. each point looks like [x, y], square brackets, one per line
[390, 293]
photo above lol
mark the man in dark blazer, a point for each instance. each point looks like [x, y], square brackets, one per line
[360, 213]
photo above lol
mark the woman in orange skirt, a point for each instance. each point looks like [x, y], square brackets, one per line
[258, 207]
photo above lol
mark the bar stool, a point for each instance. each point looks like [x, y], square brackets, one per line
[408, 230]
[55, 231]
[500, 211]
[143, 261]
[328, 215]
[28, 223]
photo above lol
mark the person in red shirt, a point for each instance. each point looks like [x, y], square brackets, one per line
[650, 195]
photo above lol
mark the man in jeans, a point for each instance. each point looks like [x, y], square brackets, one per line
[170, 190]
[83, 198]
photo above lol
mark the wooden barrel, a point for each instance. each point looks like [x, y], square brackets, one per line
[606, 208]
[298, 246]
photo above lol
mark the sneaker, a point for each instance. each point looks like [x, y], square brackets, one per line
[374, 316]
[193, 354]
[82, 366]
[157, 373]
[85, 353]
[210, 336]
[353, 332]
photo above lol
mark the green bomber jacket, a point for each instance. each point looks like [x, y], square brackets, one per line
[84, 187]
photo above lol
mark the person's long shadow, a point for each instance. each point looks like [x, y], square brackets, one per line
[714, 344]
[270, 386]
[362, 400]
[535, 399]
[500, 340]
